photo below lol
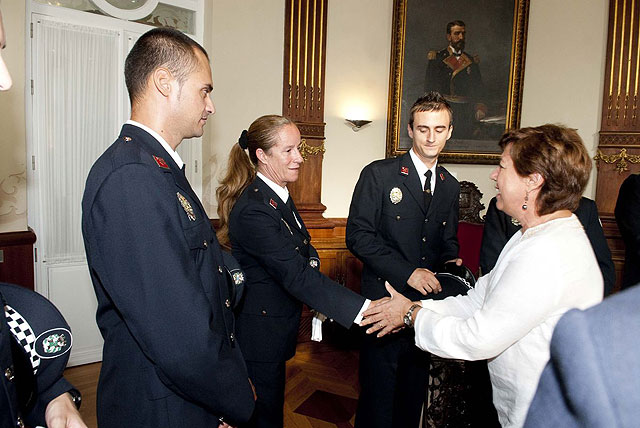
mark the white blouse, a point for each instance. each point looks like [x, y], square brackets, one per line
[508, 318]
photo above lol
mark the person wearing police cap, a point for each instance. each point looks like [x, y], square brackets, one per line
[34, 345]
[34, 349]
[402, 225]
[170, 357]
[270, 241]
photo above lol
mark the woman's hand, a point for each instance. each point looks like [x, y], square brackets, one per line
[387, 317]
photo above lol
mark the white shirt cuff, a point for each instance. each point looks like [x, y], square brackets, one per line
[359, 317]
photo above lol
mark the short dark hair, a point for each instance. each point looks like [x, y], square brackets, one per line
[453, 24]
[558, 154]
[162, 46]
[431, 101]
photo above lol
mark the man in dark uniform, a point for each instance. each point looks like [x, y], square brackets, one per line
[34, 349]
[456, 75]
[402, 224]
[500, 227]
[627, 214]
[170, 356]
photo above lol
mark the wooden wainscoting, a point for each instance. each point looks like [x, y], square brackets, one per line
[16, 258]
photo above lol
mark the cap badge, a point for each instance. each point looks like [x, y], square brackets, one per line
[53, 343]
[273, 203]
[404, 170]
[161, 162]
[186, 206]
[395, 195]
[313, 262]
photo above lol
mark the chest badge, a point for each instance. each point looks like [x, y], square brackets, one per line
[395, 195]
[186, 206]
[273, 203]
[404, 170]
[161, 162]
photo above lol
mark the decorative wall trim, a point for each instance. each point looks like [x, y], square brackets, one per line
[619, 159]
[307, 150]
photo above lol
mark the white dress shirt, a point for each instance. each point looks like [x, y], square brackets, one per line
[508, 318]
[422, 170]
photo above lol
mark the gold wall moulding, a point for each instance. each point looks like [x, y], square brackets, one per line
[307, 150]
[621, 159]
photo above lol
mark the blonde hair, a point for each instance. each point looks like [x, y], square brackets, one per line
[241, 168]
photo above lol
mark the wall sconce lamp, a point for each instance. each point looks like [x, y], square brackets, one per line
[357, 124]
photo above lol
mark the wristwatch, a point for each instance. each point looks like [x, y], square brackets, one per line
[76, 398]
[408, 317]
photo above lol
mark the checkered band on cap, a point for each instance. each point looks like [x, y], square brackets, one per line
[23, 332]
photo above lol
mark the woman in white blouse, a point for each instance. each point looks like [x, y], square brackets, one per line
[545, 269]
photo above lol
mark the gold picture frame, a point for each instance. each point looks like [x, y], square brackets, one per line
[419, 31]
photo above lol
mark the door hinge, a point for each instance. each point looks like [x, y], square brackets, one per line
[33, 162]
[196, 167]
[31, 30]
[31, 86]
[35, 254]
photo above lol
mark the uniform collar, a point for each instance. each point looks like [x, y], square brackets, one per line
[422, 169]
[174, 155]
[282, 192]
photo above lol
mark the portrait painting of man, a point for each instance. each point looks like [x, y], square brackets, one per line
[466, 50]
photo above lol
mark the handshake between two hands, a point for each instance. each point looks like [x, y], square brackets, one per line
[386, 315]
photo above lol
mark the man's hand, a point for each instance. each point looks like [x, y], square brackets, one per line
[387, 317]
[62, 413]
[425, 281]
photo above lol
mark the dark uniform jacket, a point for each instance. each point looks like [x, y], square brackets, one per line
[34, 349]
[282, 272]
[393, 239]
[628, 218]
[170, 357]
[498, 229]
[454, 77]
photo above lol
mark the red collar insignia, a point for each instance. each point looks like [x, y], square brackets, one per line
[161, 162]
[442, 176]
[273, 203]
[404, 170]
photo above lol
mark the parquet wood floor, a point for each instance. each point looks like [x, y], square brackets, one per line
[321, 389]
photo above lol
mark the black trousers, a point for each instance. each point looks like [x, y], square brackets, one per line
[268, 379]
[393, 381]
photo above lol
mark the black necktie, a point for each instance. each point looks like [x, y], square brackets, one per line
[427, 191]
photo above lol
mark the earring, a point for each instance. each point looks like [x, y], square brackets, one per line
[526, 199]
